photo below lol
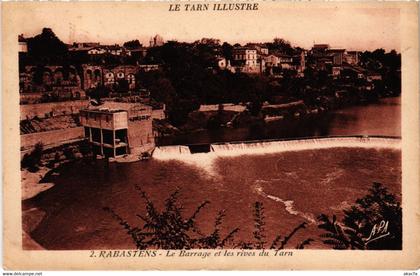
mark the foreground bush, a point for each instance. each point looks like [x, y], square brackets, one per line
[374, 222]
[169, 229]
[32, 160]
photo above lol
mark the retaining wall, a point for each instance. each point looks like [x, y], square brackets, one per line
[140, 133]
[227, 107]
[51, 138]
[42, 110]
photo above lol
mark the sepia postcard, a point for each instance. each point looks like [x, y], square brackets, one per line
[216, 135]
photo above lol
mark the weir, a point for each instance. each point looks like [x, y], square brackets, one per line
[171, 151]
[273, 146]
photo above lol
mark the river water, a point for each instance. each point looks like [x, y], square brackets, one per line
[294, 187]
[381, 118]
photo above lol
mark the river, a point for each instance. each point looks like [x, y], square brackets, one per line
[381, 118]
[294, 186]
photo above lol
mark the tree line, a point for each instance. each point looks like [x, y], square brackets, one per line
[190, 75]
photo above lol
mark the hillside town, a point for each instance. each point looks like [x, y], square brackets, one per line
[122, 98]
[232, 124]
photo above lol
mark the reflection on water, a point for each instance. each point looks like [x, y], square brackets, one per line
[382, 118]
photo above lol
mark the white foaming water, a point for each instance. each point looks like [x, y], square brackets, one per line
[171, 151]
[183, 153]
[205, 160]
[304, 144]
[288, 204]
[291, 209]
[332, 176]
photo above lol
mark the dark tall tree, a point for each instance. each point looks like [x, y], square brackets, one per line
[227, 50]
[374, 222]
[46, 47]
[132, 44]
[281, 45]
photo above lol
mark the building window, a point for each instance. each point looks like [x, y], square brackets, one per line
[89, 74]
[131, 79]
[87, 132]
[97, 74]
[120, 75]
[110, 77]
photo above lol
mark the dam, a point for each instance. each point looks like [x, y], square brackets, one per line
[206, 158]
[273, 146]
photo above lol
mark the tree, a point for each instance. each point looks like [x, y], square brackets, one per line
[69, 153]
[33, 159]
[259, 219]
[85, 148]
[178, 113]
[39, 74]
[46, 47]
[163, 91]
[374, 222]
[259, 234]
[98, 92]
[281, 45]
[254, 107]
[169, 229]
[122, 86]
[213, 42]
[227, 50]
[132, 44]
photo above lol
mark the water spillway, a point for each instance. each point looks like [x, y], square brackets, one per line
[171, 151]
[272, 146]
[205, 160]
[269, 146]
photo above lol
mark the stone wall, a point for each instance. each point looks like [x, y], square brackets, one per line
[158, 114]
[227, 107]
[140, 134]
[42, 110]
[51, 138]
[92, 76]
[47, 76]
[122, 72]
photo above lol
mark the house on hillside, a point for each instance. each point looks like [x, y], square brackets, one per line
[337, 56]
[97, 51]
[23, 44]
[352, 57]
[247, 60]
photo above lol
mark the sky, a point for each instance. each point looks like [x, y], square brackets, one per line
[346, 25]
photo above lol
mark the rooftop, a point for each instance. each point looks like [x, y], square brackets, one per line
[103, 110]
[21, 38]
[336, 50]
[321, 46]
[244, 48]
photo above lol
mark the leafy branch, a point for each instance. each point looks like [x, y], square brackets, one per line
[170, 229]
[364, 219]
